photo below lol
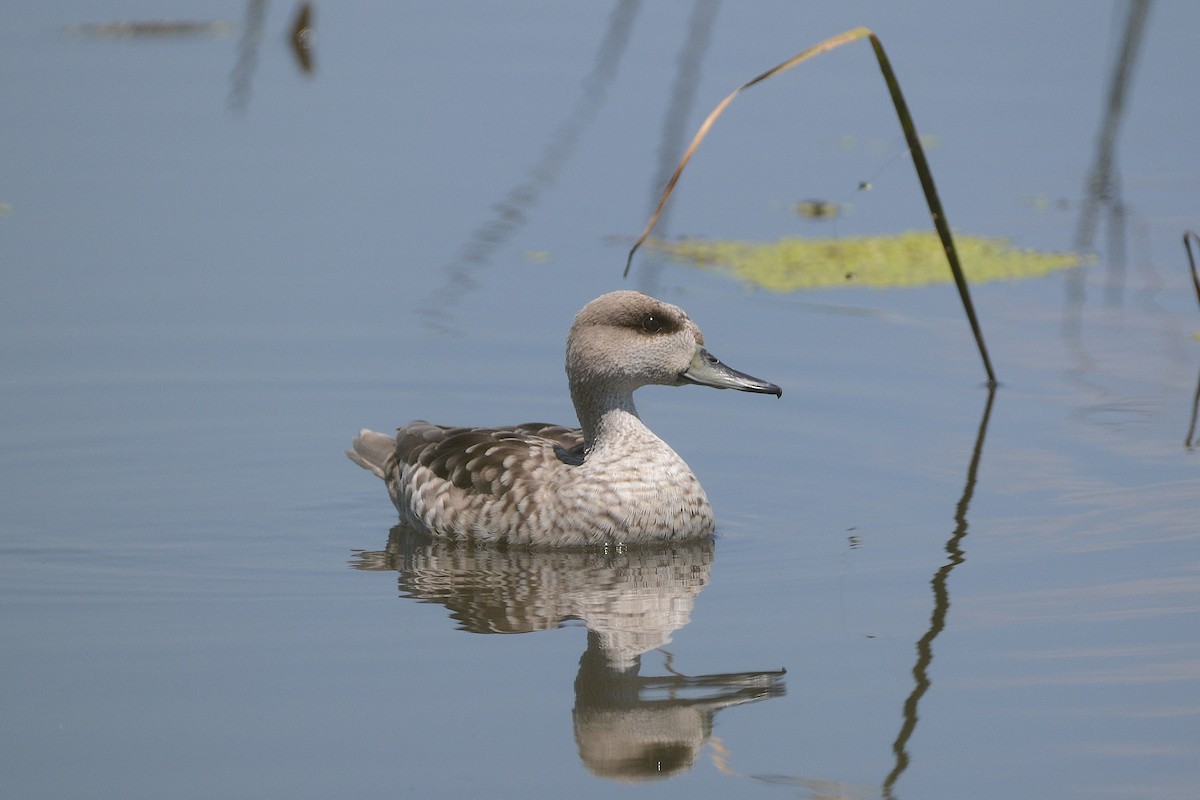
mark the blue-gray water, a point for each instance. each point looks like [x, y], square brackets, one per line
[217, 267]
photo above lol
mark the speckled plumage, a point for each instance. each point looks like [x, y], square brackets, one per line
[610, 481]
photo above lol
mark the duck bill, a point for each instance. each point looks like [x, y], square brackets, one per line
[707, 370]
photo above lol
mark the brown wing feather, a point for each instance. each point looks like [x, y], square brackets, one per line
[474, 459]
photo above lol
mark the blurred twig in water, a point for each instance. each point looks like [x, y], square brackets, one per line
[1188, 236]
[150, 29]
[1190, 440]
[301, 37]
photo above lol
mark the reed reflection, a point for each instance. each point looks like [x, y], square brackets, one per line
[1188, 237]
[1103, 189]
[823, 788]
[941, 606]
[1189, 441]
[242, 75]
[628, 726]
[510, 213]
[674, 136]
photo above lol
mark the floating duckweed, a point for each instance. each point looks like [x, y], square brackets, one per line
[910, 259]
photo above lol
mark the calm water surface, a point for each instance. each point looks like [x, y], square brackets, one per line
[217, 266]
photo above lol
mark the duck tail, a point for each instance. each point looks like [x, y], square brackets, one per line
[372, 451]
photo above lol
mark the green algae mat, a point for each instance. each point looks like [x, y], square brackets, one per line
[881, 262]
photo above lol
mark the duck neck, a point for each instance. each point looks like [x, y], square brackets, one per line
[606, 416]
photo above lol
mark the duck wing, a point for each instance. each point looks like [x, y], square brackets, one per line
[485, 460]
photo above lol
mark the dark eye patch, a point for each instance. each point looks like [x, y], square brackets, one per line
[657, 320]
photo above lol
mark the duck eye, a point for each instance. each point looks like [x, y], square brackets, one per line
[652, 323]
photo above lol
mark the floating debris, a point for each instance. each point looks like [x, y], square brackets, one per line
[150, 29]
[817, 209]
[882, 262]
[538, 256]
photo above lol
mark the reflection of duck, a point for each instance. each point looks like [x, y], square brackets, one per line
[613, 481]
[632, 727]
[631, 600]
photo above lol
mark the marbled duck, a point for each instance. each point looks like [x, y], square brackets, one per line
[610, 482]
